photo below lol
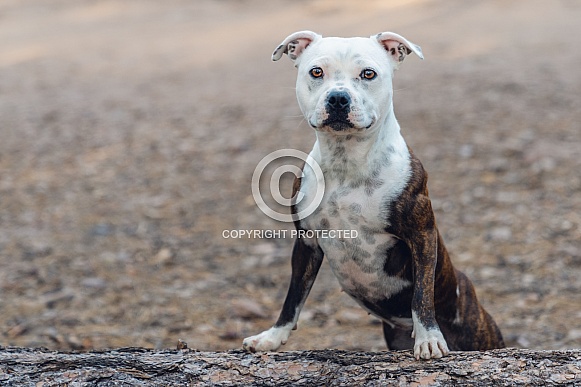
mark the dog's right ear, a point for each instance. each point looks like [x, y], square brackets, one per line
[295, 44]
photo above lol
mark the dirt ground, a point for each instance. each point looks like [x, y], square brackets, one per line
[129, 132]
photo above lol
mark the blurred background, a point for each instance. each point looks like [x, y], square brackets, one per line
[129, 132]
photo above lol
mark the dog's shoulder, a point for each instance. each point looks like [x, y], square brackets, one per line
[418, 182]
[412, 209]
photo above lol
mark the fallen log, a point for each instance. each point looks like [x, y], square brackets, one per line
[186, 367]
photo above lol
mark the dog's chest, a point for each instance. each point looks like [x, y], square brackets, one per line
[360, 208]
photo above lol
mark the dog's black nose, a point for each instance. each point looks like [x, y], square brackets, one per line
[338, 100]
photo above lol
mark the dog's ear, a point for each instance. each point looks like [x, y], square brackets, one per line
[397, 46]
[295, 44]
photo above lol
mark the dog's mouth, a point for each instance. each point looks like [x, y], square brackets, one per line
[338, 125]
[341, 126]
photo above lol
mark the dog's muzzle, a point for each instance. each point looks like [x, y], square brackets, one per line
[338, 106]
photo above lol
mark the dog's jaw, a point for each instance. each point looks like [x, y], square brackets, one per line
[356, 123]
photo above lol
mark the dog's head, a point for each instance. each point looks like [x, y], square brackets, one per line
[344, 85]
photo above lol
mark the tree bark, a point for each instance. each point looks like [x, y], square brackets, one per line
[185, 367]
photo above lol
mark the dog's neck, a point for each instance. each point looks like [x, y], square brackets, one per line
[353, 157]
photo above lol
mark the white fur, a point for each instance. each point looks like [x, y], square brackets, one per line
[269, 340]
[337, 208]
[457, 319]
[429, 343]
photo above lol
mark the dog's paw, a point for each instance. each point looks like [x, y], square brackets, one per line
[269, 340]
[430, 344]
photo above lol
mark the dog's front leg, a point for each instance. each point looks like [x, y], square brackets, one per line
[429, 341]
[307, 257]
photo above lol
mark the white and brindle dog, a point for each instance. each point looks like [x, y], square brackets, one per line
[397, 268]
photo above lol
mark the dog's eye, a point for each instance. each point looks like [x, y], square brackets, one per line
[316, 72]
[368, 74]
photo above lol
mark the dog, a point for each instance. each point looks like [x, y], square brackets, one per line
[398, 268]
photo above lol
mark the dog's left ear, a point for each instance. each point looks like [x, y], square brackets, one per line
[295, 44]
[398, 46]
